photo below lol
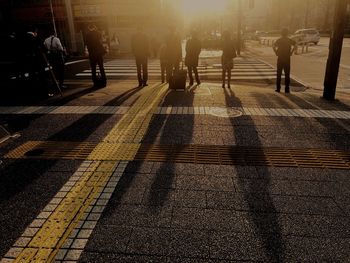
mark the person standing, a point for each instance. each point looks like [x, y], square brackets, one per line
[284, 48]
[228, 54]
[173, 52]
[193, 49]
[140, 49]
[96, 52]
[55, 55]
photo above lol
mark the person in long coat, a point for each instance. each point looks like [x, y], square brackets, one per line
[96, 53]
[193, 49]
[228, 54]
[140, 49]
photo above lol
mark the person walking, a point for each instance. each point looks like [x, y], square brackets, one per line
[193, 49]
[55, 55]
[140, 49]
[228, 54]
[284, 48]
[96, 52]
[173, 52]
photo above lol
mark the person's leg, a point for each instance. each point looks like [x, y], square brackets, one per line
[93, 64]
[102, 71]
[223, 77]
[279, 75]
[190, 75]
[287, 76]
[229, 78]
[145, 71]
[138, 67]
[195, 70]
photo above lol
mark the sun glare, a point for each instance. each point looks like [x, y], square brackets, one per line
[199, 7]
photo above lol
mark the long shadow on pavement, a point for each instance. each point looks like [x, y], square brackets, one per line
[261, 207]
[21, 179]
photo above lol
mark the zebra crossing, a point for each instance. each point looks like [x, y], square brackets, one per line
[244, 69]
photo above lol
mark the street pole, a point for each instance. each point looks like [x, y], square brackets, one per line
[335, 50]
[71, 25]
[53, 18]
[239, 27]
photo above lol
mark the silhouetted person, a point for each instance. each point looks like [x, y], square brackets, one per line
[284, 47]
[193, 49]
[173, 52]
[55, 55]
[154, 43]
[228, 54]
[140, 49]
[34, 58]
[96, 52]
[163, 61]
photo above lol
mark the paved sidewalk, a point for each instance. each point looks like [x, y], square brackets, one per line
[197, 211]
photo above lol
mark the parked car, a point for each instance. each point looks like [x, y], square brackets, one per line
[306, 36]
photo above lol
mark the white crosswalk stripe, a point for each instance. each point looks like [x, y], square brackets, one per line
[244, 69]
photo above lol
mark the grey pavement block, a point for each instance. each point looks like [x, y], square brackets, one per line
[305, 249]
[125, 195]
[264, 186]
[240, 246]
[219, 170]
[308, 205]
[149, 241]
[222, 200]
[159, 197]
[164, 168]
[315, 188]
[88, 257]
[139, 167]
[196, 218]
[189, 169]
[185, 198]
[209, 183]
[189, 243]
[136, 215]
[109, 238]
[304, 174]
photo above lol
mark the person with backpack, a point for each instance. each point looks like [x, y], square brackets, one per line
[55, 55]
[228, 54]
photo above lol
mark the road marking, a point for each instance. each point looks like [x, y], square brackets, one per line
[83, 198]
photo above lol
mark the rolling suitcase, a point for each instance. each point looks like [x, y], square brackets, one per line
[178, 80]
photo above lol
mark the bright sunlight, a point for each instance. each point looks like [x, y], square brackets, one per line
[198, 7]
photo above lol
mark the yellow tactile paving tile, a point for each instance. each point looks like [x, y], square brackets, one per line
[126, 135]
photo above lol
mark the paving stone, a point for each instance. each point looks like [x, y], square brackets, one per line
[184, 198]
[88, 257]
[137, 215]
[209, 183]
[109, 238]
[237, 246]
[149, 241]
[189, 243]
[222, 200]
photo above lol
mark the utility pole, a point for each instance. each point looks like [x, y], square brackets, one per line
[239, 28]
[335, 50]
[71, 28]
[53, 17]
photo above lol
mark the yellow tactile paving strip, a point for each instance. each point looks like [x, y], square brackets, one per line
[58, 226]
[198, 154]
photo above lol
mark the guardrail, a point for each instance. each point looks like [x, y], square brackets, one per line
[303, 47]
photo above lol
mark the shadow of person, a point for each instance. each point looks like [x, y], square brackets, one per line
[255, 192]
